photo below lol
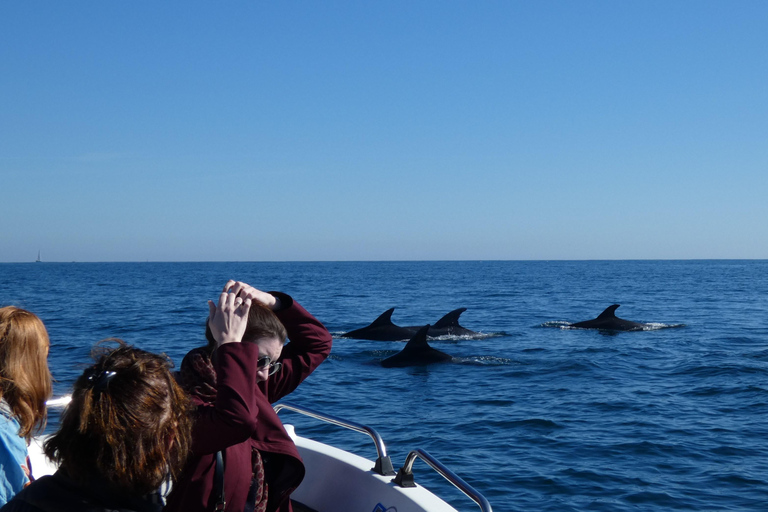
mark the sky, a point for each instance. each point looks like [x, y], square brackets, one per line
[393, 130]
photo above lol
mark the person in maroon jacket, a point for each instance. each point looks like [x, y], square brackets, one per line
[233, 382]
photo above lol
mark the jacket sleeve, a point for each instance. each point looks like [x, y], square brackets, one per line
[233, 416]
[310, 344]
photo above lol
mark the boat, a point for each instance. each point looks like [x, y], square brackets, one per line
[38, 260]
[338, 480]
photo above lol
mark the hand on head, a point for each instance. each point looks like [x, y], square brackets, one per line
[229, 318]
[246, 291]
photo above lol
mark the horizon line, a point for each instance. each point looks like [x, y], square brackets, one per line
[391, 260]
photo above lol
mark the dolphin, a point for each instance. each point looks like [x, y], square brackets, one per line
[416, 352]
[382, 329]
[448, 325]
[608, 321]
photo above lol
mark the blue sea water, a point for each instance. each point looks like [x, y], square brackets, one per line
[535, 416]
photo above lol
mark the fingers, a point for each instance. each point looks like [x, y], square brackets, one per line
[246, 291]
[242, 289]
[229, 319]
[223, 298]
[211, 310]
[238, 288]
[230, 301]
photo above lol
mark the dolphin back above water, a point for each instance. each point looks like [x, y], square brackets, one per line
[608, 321]
[382, 329]
[416, 352]
[448, 326]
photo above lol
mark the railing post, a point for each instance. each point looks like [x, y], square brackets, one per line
[404, 477]
[383, 465]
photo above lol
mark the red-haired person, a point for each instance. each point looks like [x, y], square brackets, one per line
[233, 381]
[125, 432]
[25, 386]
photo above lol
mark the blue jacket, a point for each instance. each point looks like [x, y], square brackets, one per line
[13, 455]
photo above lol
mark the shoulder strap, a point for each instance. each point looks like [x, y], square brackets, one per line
[218, 483]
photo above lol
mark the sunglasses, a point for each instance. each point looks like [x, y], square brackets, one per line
[264, 362]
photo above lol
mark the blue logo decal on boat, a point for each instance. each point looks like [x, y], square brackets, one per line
[381, 508]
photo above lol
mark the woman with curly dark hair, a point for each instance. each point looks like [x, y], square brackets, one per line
[125, 433]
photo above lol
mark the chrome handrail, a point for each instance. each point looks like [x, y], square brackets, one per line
[383, 465]
[404, 477]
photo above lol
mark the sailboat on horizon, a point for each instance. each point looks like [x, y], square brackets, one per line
[38, 260]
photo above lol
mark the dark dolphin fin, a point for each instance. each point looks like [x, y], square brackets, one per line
[412, 352]
[416, 352]
[450, 320]
[418, 342]
[610, 312]
[384, 319]
[608, 321]
[383, 322]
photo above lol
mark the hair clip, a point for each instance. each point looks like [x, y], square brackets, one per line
[101, 380]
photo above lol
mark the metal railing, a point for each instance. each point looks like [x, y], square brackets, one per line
[383, 465]
[404, 477]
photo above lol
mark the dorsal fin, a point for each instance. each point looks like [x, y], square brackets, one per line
[610, 312]
[418, 341]
[450, 320]
[384, 319]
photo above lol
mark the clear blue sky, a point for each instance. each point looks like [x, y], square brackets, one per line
[309, 130]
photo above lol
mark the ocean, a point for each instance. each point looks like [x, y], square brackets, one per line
[534, 415]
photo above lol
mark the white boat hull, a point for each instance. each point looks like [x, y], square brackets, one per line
[339, 480]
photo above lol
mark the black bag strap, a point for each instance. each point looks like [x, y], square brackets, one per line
[218, 483]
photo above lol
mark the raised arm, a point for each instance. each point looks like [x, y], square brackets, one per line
[232, 416]
[310, 344]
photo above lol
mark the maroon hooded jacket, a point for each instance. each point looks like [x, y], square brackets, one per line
[241, 418]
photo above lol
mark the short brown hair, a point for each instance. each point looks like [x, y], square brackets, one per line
[128, 421]
[25, 381]
[262, 324]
